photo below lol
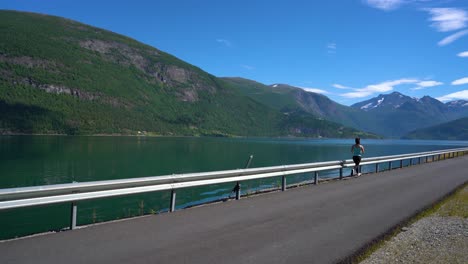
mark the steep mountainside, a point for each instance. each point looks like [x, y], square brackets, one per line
[454, 130]
[61, 76]
[286, 99]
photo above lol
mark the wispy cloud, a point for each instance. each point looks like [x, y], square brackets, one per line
[314, 90]
[377, 88]
[453, 37]
[463, 54]
[331, 48]
[426, 84]
[460, 81]
[386, 5]
[448, 19]
[248, 67]
[339, 86]
[461, 95]
[225, 42]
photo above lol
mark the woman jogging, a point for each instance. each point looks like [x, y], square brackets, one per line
[357, 150]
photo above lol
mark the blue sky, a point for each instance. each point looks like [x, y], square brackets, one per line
[349, 50]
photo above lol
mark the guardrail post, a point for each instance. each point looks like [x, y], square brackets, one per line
[74, 212]
[401, 164]
[341, 173]
[283, 186]
[316, 180]
[173, 201]
[411, 162]
[389, 165]
[419, 162]
[376, 167]
[238, 191]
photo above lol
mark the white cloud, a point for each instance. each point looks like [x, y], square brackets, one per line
[460, 81]
[357, 94]
[461, 95]
[331, 47]
[248, 67]
[452, 37]
[339, 86]
[426, 84]
[314, 90]
[378, 88]
[448, 19]
[463, 54]
[225, 42]
[386, 5]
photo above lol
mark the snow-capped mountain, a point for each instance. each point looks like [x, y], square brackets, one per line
[458, 104]
[385, 101]
[396, 100]
[395, 114]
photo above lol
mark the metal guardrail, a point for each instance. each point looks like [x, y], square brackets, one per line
[12, 198]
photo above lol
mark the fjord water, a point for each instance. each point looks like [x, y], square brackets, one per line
[44, 160]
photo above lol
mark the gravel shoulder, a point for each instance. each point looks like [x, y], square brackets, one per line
[439, 237]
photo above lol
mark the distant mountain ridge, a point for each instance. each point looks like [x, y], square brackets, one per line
[392, 115]
[396, 114]
[392, 101]
[396, 100]
[458, 103]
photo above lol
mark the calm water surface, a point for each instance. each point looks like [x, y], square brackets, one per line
[43, 160]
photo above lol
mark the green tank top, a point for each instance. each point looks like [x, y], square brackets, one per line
[357, 151]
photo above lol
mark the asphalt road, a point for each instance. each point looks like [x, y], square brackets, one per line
[312, 224]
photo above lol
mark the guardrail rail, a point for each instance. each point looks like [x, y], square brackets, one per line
[72, 193]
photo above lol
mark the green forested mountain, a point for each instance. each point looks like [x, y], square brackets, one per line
[286, 98]
[454, 130]
[61, 76]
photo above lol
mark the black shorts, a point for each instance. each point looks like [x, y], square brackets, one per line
[357, 159]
